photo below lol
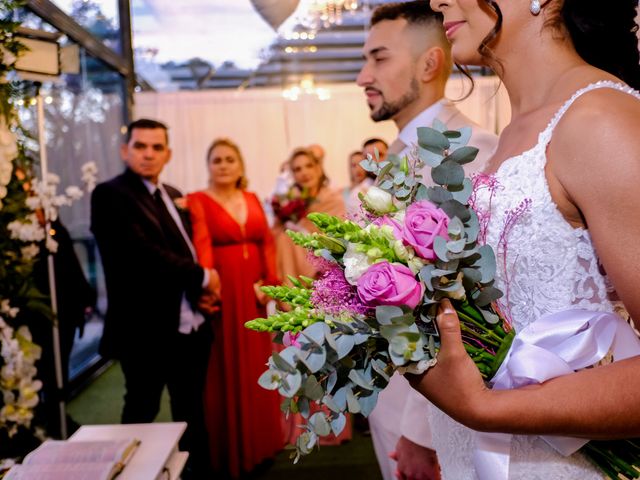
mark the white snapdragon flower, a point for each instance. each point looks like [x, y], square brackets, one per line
[378, 200]
[28, 231]
[73, 192]
[355, 263]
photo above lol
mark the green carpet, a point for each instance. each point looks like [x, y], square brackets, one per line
[101, 403]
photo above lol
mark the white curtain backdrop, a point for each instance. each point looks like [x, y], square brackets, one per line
[268, 127]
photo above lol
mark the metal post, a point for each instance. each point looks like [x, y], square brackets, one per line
[57, 356]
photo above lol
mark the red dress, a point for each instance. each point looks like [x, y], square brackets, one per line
[243, 419]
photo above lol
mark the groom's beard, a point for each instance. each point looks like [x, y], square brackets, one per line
[390, 109]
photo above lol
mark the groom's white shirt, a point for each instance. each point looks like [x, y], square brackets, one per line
[401, 411]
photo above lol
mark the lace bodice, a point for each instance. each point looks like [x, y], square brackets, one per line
[543, 266]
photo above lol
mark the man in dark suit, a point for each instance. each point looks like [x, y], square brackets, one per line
[156, 291]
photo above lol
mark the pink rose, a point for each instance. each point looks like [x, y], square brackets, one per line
[387, 283]
[394, 224]
[424, 222]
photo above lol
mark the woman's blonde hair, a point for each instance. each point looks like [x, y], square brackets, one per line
[324, 180]
[242, 182]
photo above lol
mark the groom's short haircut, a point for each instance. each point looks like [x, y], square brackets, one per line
[146, 124]
[417, 13]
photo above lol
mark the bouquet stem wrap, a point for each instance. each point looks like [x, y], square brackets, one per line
[554, 345]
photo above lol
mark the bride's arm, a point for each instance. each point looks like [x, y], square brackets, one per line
[595, 157]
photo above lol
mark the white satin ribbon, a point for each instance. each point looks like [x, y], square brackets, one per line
[554, 345]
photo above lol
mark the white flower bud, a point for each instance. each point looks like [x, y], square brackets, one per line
[378, 201]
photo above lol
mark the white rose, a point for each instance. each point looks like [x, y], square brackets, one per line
[355, 264]
[378, 201]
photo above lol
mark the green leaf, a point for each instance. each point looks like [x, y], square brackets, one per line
[456, 246]
[356, 377]
[448, 173]
[463, 155]
[440, 248]
[314, 359]
[486, 296]
[290, 384]
[462, 140]
[462, 195]
[385, 313]
[340, 397]
[286, 365]
[368, 403]
[385, 167]
[352, 402]
[331, 404]
[399, 178]
[439, 125]
[472, 274]
[422, 193]
[345, 344]
[454, 208]
[438, 194]
[486, 263]
[369, 165]
[319, 424]
[431, 159]
[270, 380]
[338, 423]
[317, 332]
[332, 380]
[312, 389]
[431, 139]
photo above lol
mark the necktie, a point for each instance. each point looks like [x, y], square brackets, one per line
[168, 224]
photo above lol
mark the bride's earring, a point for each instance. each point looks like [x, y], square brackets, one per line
[535, 7]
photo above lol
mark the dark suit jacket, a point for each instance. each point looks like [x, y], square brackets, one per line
[147, 268]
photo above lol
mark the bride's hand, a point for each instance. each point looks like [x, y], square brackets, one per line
[454, 384]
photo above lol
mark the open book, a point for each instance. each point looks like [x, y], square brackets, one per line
[64, 460]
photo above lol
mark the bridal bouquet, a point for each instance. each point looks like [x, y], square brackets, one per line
[292, 206]
[372, 310]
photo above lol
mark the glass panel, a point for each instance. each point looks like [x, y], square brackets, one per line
[98, 17]
[84, 115]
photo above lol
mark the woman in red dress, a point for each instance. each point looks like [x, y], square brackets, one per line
[231, 234]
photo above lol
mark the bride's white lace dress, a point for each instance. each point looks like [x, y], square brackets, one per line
[544, 266]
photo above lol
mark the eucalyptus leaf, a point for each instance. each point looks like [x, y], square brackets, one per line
[463, 155]
[331, 340]
[285, 360]
[473, 226]
[270, 380]
[399, 178]
[462, 140]
[386, 185]
[356, 377]
[385, 313]
[352, 402]
[456, 227]
[438, 194]
[421, 193]
[487, 295]
[486, 263]
[313, 389]
[317, 332]
[452, 134]
[439, 125]
[368, 403]
[314, 359]
[489, 317]
[431, 139]
[431, 159]
[454, 208]
[456, 246]
[338, 423]
[340, 397]
[464, 193]
[369, 165]
[378, 366]
[319, 424]
[332, 380]
[290, 384]
[345, 344]
[385, 167]
[473, 274]
[331, 404]
[304, 408]
[448, 173]
[440, 248]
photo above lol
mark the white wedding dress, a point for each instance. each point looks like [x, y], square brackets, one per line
[544, 266]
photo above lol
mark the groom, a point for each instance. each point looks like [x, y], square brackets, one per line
[155, 291]
[407, 64]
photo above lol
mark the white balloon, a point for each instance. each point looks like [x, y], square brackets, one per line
[275, 12]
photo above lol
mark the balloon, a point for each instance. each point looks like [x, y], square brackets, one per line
[275, 12]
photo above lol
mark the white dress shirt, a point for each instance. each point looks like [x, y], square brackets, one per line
[190, 320]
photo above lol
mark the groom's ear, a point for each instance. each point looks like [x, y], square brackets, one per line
[431, 63]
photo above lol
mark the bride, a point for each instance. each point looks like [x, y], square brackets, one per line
[563, 217]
